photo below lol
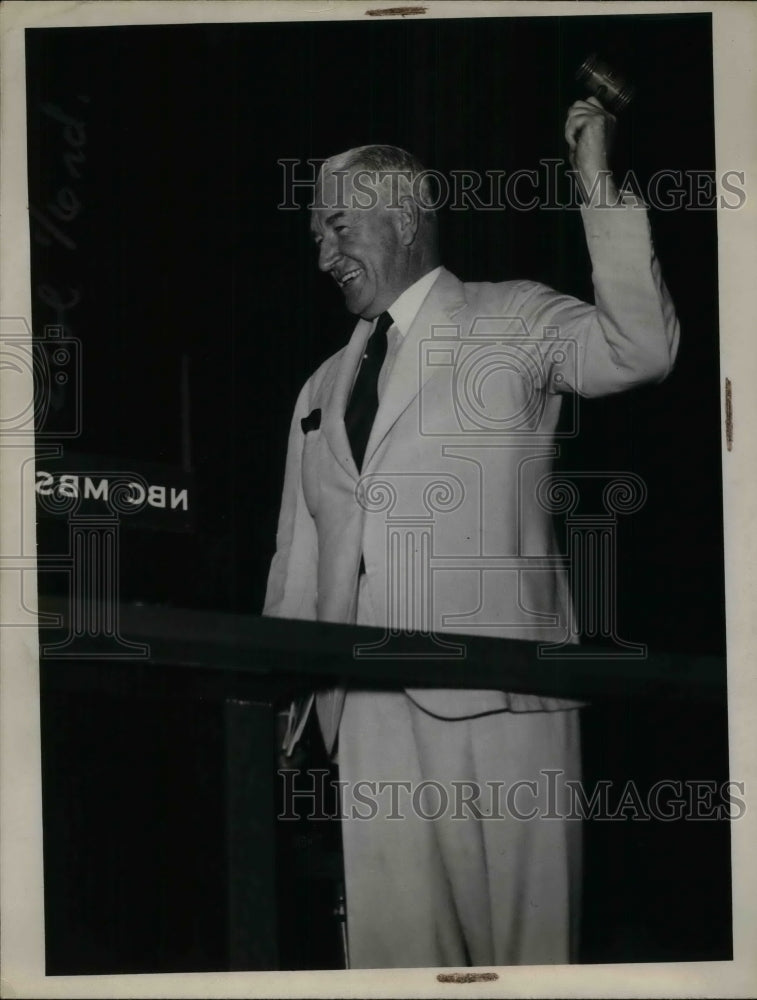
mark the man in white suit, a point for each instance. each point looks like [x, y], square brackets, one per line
[448, 463]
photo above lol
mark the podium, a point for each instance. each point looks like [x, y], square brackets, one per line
[162, 849]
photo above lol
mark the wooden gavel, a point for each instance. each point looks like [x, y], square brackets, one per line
[611, 89]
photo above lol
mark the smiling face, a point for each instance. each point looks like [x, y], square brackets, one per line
[363, 249]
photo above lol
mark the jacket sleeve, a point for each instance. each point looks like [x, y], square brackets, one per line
[630, 335]
[292, 579]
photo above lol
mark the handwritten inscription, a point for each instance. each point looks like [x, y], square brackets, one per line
[53, 227]
[61, 210]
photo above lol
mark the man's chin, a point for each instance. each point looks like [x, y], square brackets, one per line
[360, 301]
[356, 304]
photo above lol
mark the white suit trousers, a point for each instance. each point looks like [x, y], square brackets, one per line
[438, 886]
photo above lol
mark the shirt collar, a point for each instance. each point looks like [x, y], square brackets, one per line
[405, 308]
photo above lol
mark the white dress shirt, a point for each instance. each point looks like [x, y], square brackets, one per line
[403, 312]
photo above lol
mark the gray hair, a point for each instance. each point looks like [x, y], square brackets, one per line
[388, 161]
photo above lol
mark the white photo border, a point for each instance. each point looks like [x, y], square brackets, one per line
[21, 896]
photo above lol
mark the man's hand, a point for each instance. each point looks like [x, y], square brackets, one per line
[589, 130]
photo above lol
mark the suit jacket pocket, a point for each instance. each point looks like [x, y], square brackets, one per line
[311, 480]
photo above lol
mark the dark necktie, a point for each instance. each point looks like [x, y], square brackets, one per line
[361, 409]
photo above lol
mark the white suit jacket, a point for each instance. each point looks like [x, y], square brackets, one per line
[450, 512]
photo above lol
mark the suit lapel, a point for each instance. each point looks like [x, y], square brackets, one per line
[333, 424]
[444, 301]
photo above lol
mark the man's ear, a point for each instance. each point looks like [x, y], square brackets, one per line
[408, 217]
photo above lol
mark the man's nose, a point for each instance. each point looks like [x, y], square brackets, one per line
[327, 253]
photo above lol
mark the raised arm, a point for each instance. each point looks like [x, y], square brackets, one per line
[630, 334]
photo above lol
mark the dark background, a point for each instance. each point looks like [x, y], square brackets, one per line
[181, 251]
[181, 259]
